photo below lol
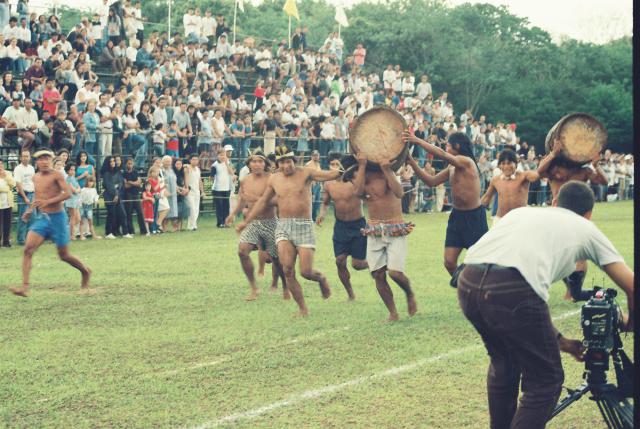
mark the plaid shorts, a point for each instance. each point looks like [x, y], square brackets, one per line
[298, 231]
[261, 233]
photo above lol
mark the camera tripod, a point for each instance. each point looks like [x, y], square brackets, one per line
[612, 401]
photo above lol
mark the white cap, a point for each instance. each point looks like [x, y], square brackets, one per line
[228, 147]
[627, 157]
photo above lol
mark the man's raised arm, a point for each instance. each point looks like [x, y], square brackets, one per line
[433, 150]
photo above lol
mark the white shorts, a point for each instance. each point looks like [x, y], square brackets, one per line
[386, 251]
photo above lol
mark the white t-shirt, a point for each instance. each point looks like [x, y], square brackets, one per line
[24, 175]
[89, 195]
[193, 181]
[223, 180]
[550, 242]
[244, 172]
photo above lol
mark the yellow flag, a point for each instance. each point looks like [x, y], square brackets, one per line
[290, 8]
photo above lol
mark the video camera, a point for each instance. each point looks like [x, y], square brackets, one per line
[600, 320]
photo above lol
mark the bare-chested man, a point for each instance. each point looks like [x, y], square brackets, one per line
[512, 186]
[468, 220]
[294, 231]
[51, 190]
[260, 233]
[559, 171]
[347, 236]
[386, 232]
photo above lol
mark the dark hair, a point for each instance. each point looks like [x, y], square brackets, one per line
[333, 156]
[158, 127]
[507, 155]
[69, 166]
[463, 144]
[577, 197]
[106, 165]
[80, 155]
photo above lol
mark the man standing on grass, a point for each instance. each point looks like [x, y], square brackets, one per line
[468, 220]
[503, 291]
[260, 233]
[294, 232]
[196, 191]
[512, 186]
[51, 190]
[386, 232]
[347, 236]
[23, 175]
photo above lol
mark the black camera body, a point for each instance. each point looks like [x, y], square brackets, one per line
[599, 320]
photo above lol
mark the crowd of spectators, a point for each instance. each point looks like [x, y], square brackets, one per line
[158, 106]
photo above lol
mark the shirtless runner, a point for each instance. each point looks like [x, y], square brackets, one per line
[294, 230]
[468, 220]
[512, 186]
[347, 236]
[260, 233]
[51, 190]
[560, 171]
[386, 232]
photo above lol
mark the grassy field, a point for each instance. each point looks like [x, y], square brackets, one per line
[166, 340]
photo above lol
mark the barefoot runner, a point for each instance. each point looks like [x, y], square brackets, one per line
[294, 232]
[386, 232]
[347, 236]
[468, 220]
[260, 233]
[51, 190]
[559, 171]
[511, 186]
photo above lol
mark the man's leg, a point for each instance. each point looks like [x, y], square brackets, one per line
[380, 277]
[279, 272]
[503, 375]
[287, 256]
[403, 281]
[30, 246]
[244, 251]
[307, 271]
[66, 256]
[451, 255]
[22, 225]
[343, 274]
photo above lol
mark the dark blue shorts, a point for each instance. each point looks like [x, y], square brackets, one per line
[54, 226]
[465, 227]
[348, 240]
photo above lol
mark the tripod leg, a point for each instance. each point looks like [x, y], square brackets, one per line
[572, 397]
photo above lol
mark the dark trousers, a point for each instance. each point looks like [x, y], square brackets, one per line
[515, 325]
[221, 200]
[5, 225]
[116, 219]
[130, 207]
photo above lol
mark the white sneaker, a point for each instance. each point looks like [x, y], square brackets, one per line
[110, 237]
[128, 236]
[148, 234]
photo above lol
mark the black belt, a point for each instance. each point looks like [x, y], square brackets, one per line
[490, 267]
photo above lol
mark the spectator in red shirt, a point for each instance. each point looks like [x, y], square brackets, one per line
[51, 98]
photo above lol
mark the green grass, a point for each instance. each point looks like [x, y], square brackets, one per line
[166, 340]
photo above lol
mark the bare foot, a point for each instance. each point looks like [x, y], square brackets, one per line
[392, 318]
[413, 305]
[19, 292]
[324, 288]
[86, 275]
[301, 313]
[286, 295]
[98, 237]
[273, 289]
[83, 238]
[252, 295]
[260, 274]
[568, 296]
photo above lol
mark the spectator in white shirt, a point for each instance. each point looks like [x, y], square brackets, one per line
[208, 26]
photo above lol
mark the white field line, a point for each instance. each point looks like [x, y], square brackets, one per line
[316, 393]
[228, 357]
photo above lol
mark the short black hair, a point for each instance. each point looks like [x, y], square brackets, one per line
[577, 197]
[507, 155]
[334, 155]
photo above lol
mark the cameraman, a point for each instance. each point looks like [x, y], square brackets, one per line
[503, 290]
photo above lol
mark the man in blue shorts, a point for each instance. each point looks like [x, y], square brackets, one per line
[51, 222]
[347, 235]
